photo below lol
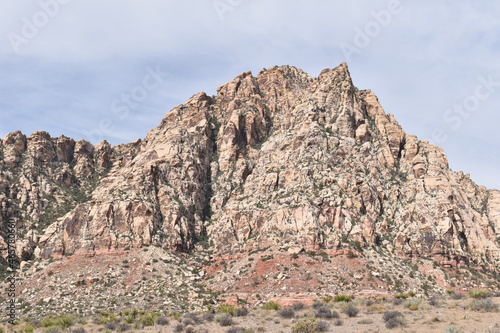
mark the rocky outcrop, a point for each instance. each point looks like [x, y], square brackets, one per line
[280, 159]
[41, 179]
[157, 196]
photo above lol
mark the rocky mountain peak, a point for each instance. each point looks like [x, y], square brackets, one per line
[277, 160]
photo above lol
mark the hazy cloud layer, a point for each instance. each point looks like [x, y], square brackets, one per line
[66, 65]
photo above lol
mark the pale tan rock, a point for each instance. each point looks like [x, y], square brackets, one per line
[280, 160]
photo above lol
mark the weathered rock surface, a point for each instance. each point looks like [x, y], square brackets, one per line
[277, 159]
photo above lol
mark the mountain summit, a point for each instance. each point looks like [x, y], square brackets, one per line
[281, 161]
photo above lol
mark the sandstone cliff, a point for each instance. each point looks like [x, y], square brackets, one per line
[277, 159]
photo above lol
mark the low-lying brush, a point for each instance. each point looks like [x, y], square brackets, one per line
[351, 311]
[400, 295]
[287, 312]
[226, 320]
[456, 296]
[343, 298]
[162, 321]
[298, 306]
[229, 309]
[479, 293]
[412, 304]
[326, 312]
[322, 326]
[486, 305]
[306, 325]
[271, 305]
[241, 312]
[392, 319]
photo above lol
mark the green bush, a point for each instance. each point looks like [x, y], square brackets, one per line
[106, 317]
[271, 305]
[343, 298]
[479, 293]
[327, 299]
[412, 303]
[64, 321]
[401, 296]
[229, 309]
[27, 329]
[306, 325]
[149, 319]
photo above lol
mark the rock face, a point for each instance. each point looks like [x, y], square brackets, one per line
[277, 159]
[41, 179]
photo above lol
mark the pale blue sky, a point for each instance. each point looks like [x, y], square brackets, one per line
[65, 64]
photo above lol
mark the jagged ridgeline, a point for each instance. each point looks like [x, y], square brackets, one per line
[278, 159]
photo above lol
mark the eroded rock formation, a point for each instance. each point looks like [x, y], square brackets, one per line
[278, 159]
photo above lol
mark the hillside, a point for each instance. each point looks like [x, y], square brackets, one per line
[284, 169]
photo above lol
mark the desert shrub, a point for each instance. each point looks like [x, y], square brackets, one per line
[452, 329]
[365, 321]
[298, 306]
[189, 329]
[148, 319]
[394, 322]
[106, 317]
[226, 320]
[175, 314]
[343, 298]
[327, 299]
[188, 321]
[271, 305]
[241, 312]
[111, 326]
[322, 326]
[51, 330]
[351, 311]
[413, 307]
[495, 294]
[433, 301]
[325, 312]
[179, 328]
[208, 317]
[162, 321]
[412, 293]
[457, 296]
[397, 301]
[317, 305]
[486, 305]
[306, 325]
[369, 302]
[392, 319]
[287, 312]
[78, 330]
[195, 319]
[27, 329]
[229, 309]
[235, 330]
[391, 314]
[479, 293]
[124, 327]
[415, 302]
[338, 322]
[64, 321]
[401, 295]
